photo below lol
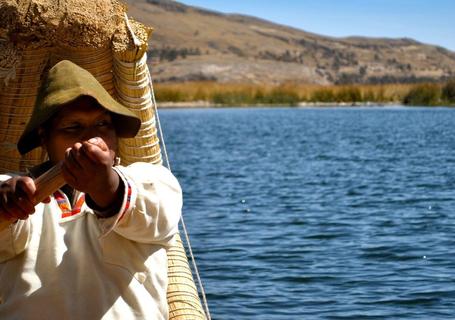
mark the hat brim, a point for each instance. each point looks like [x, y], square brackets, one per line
[65, 83]
[126, 126]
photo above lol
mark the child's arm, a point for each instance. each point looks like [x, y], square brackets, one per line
[16, 204]
[17, 198]
[148, 197]
[151, 206]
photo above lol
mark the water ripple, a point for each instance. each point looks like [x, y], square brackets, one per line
[343, 213]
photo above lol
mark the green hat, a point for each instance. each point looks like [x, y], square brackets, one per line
[65, 83]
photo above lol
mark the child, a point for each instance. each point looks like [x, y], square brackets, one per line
[97, 249]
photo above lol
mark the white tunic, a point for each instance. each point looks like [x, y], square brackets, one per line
[66, 263]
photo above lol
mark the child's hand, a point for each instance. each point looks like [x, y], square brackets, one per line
[17, 198]
[88, 168]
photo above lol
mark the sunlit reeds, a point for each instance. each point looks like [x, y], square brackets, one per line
[299, 94]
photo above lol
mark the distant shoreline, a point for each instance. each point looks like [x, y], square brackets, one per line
[213, 94]
[208, 105]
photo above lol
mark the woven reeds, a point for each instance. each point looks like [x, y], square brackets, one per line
[132, 86]
[133, 89]
[182, 295]
[17, 99]
[121, 67]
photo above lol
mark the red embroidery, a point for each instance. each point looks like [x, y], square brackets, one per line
[66, 207]
[128, 201]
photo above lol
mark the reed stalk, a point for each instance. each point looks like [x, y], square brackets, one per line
[235, 94]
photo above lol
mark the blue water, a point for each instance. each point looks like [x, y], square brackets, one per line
[330, 213]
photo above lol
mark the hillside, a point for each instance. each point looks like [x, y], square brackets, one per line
[193, 44]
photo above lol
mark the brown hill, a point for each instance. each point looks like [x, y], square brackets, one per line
[191, 43]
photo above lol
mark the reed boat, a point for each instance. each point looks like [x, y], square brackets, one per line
[100, 37]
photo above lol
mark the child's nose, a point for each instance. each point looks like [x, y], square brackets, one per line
[90, 132]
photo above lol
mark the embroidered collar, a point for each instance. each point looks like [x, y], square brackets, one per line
[65, 206]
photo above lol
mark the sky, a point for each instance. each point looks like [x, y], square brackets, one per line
[428, 21]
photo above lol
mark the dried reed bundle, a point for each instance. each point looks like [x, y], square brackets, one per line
[76, 23]
[132, 84]
[182, 294]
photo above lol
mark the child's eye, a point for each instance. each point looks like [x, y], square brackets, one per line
[103, 124]
[71, 128]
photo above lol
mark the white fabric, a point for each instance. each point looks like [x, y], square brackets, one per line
[85, 267]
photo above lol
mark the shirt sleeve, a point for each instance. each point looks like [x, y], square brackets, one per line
[151, 206]
[14, 238]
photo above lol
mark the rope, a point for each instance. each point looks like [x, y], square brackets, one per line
[185, 231]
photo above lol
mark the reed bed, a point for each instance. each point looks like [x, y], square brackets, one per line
[294, 94]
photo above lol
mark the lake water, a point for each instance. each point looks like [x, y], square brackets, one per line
[324, 213]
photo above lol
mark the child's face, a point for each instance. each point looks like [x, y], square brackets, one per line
[77, 122]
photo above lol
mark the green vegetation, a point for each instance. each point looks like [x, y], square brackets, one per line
[448, 92]
[431, 94]
[424, 95]
[293, 94]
